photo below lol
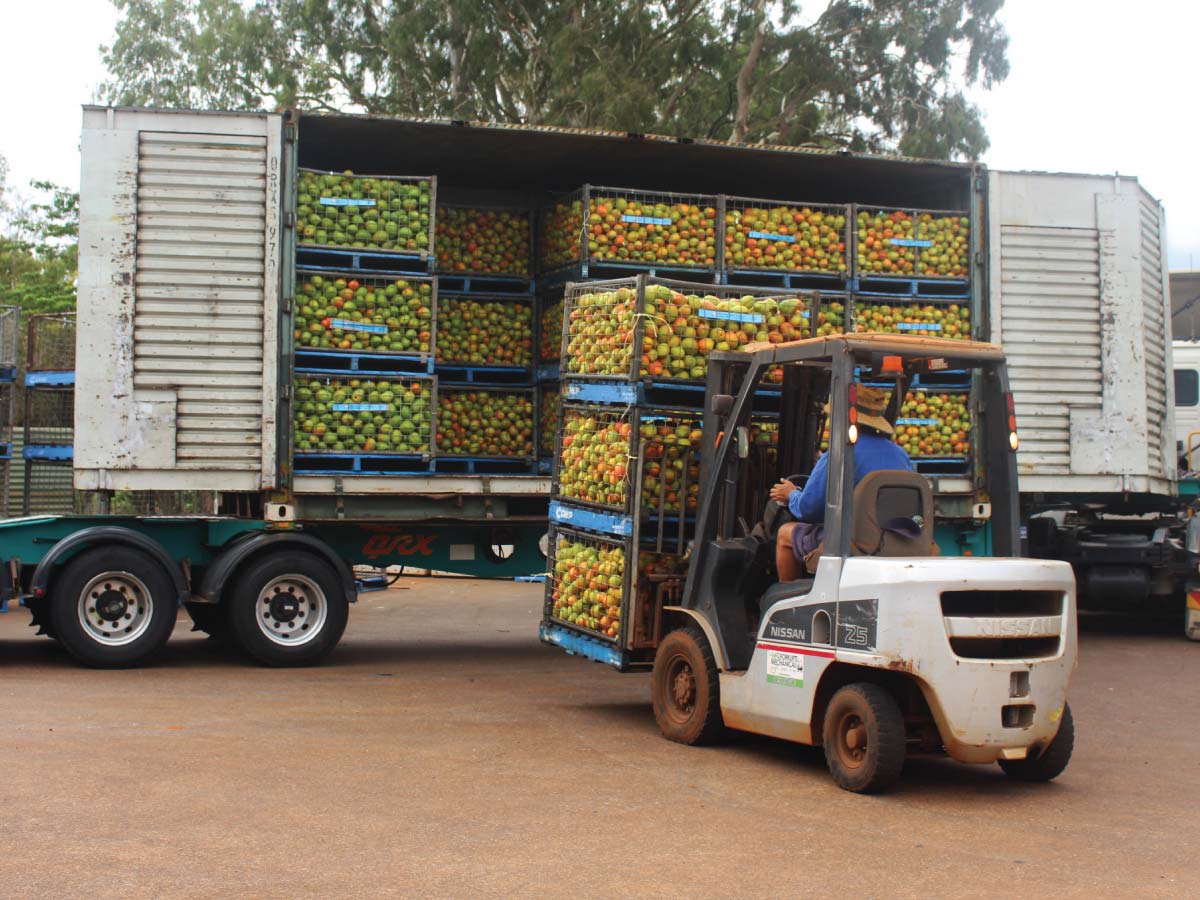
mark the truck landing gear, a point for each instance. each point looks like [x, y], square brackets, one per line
[112, 607]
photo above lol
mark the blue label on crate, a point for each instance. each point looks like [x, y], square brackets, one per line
[600, 392]
[910, 242]
[591, 520]
[646, 220]
[918, 421]
[345, 201]
[919, 326]
[360, 407]
[767, 236]
[348, 325]
[728, 316]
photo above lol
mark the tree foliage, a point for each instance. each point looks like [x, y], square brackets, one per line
[39, 252]
[863, 74]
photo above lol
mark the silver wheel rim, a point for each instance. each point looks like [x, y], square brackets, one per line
[290, 610]
[115, 608]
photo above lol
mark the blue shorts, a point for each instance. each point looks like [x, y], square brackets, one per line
[806, 537]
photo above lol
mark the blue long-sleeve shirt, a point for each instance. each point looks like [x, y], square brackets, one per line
[872, 452]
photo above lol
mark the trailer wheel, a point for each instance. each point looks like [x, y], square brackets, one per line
[112, 607]
[1052, 762]
[288, 609]
[864, 738]
[685, 690]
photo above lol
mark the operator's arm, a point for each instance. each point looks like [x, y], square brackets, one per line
[808, 505]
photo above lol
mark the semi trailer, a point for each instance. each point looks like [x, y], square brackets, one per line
[202, 357]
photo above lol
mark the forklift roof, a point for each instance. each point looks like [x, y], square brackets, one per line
[824, 348]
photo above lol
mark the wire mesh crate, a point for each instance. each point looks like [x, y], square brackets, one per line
[47, 488]
[49, 417]
[549, 399]
[603, 451]
[484, 240]
[486, 423]
[550, 329]
[906, 315]
[935, 424]
[912, 243]
[782, 236]
[384, 213]
[485, 330]
[348, 416]
[351, 313]
[589, 581]
[9, 341]
[641, 229]
[50, 343]
[8, 412]
[677, 324]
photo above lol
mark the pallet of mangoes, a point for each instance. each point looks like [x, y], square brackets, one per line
[379, 213]
[778, 236]
[351, 415]
[935, 424]
[345, 312]
[485, 330]
[906, 315]
[904, 243]
[639, 229]
[484, 240]
[550, 330]
[486, 422]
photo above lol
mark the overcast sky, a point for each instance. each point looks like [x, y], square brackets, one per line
[1091, 90]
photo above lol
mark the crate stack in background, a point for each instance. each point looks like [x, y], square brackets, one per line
[9, 348]
[48, 416]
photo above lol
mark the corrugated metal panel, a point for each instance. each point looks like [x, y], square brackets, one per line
[198, 307]
[1050, 322]
[1155, 312]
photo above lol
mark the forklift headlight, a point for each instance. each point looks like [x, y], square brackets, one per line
[1013, 440]
[852, 434]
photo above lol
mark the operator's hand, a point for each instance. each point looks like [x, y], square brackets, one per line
[781, 491]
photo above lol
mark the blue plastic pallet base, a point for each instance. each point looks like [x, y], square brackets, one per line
[581, 645]
[5, 451]
[530, 579]
[330, 362]
[376, 262]
[49, 379]
[451, 374]
[611, 269]
[590, 519]
[547, 372]
[56, 454]
[462, 283]
[361, 464]
[948, 289]
[793, 281]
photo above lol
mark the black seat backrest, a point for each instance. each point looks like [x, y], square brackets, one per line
[893, 515]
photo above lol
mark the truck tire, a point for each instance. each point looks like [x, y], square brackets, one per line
[685, 688]
[287, 609]
[1053, 760]
[864, 738]
[112, 607]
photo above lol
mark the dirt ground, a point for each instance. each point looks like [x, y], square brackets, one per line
[443, 752]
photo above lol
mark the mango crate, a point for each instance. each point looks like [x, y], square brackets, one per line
[912, 243]
[550, 328]
[383, 213]
[486, 422]
[485, 331]
[907, 315]
[484, 240]
[630, 228]
[352, 416]
[675, 325]
[339, 311]
[787, 237]
[549, 400]
[50, 343]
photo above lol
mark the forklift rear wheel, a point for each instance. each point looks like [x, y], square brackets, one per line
[684, 688]
[864, 738]
[1050, 764]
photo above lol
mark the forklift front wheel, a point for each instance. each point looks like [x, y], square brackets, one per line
[864, 738]
[684, 688]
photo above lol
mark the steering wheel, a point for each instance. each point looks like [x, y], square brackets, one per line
[777, 514]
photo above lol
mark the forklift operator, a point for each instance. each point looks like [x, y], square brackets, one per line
[797, 543]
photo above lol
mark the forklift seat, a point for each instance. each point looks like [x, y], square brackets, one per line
[893, 515]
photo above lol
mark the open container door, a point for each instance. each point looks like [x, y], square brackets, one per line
[180, 253]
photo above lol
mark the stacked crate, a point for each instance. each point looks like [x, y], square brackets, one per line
[9, 342]
[48, 415]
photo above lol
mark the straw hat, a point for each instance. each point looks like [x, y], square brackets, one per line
[872, 402]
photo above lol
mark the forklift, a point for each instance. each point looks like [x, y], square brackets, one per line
[887, 649]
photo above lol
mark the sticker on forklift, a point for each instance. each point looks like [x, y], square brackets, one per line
[785, 667]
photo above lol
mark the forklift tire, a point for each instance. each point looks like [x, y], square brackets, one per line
[1052, 762]
[287, 609]
[112, 607]
[685, 690]
[864, 738]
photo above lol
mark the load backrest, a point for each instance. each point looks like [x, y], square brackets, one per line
[893, 515]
